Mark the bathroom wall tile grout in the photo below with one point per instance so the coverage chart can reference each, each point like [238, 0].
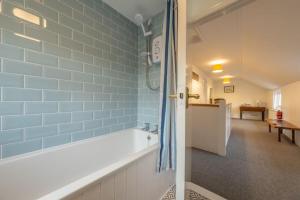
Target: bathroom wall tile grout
[148, 100]
[130, 101]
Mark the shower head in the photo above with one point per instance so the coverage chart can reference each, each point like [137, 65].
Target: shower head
[149, 22]
[139, 20]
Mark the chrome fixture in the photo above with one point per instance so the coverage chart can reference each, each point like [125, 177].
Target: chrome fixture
[146, 28]
[139, 19]
[155, 130]
[147, 127]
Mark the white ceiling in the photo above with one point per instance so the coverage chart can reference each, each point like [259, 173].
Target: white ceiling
[129, 8]
[148, 8]
[198, 9]
[261, 42]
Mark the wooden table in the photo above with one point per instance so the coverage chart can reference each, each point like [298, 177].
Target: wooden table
[253, 109]
[281, 125]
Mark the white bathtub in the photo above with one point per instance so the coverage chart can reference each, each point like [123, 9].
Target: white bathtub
[57, 173]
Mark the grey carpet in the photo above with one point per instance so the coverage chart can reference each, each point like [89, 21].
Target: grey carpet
[256, 167]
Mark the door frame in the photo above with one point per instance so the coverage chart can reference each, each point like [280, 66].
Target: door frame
[180, 116]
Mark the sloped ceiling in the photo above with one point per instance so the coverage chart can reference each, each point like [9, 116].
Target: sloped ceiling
[148, 8]
[128, 8]
[198, 9]
[260, 41]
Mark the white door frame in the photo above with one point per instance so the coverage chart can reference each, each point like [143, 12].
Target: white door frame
[180, 117]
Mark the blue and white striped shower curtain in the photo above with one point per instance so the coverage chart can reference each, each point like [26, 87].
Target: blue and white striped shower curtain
[167, 153]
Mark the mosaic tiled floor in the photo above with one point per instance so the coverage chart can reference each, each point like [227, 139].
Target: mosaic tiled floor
[189, 195]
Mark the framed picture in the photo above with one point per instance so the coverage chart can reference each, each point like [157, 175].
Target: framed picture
[229, 89]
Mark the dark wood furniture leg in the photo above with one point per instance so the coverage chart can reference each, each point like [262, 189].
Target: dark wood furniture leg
[241, 114]
[283, 125]
[293, 136]
[279, 134]
[263, 116]
[270, 129]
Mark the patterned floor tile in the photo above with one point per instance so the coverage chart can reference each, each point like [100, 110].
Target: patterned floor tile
[189, 195]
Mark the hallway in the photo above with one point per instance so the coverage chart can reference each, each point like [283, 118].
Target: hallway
[256, 167]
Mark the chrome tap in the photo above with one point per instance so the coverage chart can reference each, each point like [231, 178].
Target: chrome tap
[155, 130]
[147, 127]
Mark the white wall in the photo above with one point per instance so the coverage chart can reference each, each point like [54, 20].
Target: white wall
[199, 87]
[291, 106]
[204, 134]
[245, 92]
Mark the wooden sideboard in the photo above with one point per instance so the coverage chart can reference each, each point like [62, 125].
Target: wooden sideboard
[253, 109]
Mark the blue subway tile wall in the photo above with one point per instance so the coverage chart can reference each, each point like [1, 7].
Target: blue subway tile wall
[148, 100]
[73, 78]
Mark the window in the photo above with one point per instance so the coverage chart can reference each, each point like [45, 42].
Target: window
[277, 99]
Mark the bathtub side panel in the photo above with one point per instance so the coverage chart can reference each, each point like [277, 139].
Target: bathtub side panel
[137, 181]
[108, 188]
[131, 182]
[120, 185]
[92, 193]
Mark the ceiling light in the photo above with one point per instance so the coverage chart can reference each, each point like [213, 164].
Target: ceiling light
[217, 69]
[226, 76]
[218, 62]
[226, 81]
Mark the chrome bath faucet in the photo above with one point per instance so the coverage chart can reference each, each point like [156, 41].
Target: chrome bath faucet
[147, 127]
[155, 130]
